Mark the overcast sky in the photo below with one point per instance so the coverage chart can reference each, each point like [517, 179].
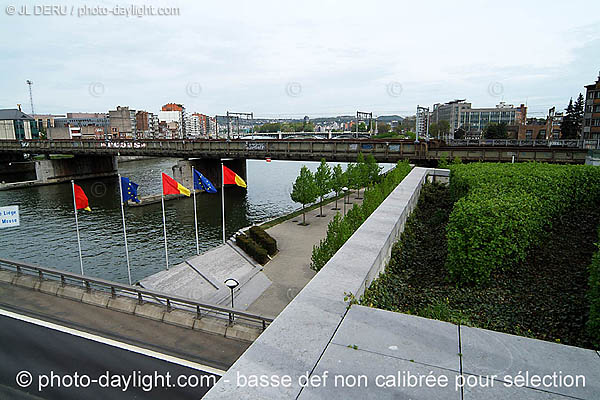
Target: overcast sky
[313, 58]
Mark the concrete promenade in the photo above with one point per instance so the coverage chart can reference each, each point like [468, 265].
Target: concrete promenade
[331, 349]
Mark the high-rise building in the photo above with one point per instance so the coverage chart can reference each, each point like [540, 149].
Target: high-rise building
[122, 123]
[591, 116]
[147, 125]
[172, 112]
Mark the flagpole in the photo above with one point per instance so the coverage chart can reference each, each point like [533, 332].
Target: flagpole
[77, 226]
[223, 199]
[195, 212]
[124, 229]
[162, 200]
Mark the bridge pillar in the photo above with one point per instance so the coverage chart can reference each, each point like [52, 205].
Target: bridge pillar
[14, 168]
[78, 167]
[211, 169]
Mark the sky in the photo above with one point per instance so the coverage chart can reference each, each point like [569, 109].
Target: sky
[283, 59]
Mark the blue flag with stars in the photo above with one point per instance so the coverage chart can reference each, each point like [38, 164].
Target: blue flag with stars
[129, 190]
[201, 183]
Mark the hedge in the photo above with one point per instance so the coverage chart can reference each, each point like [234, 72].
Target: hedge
[593, 323]
[255, 251]
[340, 228]
[502, 210]
[265, 240]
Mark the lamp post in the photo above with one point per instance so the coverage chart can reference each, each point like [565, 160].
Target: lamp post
[345, 190]
[231, 284]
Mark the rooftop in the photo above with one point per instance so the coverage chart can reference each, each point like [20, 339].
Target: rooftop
[13, 114]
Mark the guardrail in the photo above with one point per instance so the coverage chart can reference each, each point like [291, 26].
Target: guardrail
[579, 144]
[142, 295]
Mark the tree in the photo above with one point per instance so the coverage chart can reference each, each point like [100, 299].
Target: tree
[382, 127]
[460, 133]
[362, 173]
[373, 169]
[434, 130]
[353, 174]
[323, 182]
[443, 128]
[304, 190]
[495, 131]
[338, 180]
[578, 108]
[572, 123]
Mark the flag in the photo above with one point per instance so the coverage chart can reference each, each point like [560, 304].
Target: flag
[129, 190]
[201, 183]
[231, 178]
[81, 200]
[171, 186]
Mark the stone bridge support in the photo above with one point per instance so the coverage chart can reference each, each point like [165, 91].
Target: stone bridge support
[78, 167]
[210, 168]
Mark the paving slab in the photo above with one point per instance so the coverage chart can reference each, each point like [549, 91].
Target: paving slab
[243, 332]
[7, 276]
[489, 353]
[380, 377]
[71, 292]
[211, 325]
[27, 281]
[409, 337]
[49, 287]
[492, 390]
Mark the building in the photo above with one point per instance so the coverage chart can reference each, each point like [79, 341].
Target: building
[591, 116]
[146, 125]
[422, 123]
[199, 125]
[46, 121]
[174, 113]
[538, 128]
[16, 125]
[460, 114]
[122, 123]
[78, 122]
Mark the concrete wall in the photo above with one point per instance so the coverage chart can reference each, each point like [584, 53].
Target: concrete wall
[211, 169]
[75, 168]
[294, 342]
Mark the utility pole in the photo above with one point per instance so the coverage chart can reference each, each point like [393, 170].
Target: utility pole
[363, 116]
[29, 82]
[238, 116]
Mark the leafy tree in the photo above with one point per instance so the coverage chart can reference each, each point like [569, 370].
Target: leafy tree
[304, 190]
[443, 128]
[372, 169]
[362, 173]
[323, 182]
[338, 180]
[434, 130]
[460, 133]
[353, 174]
[383, 128]
[495, 131]
[572, 123]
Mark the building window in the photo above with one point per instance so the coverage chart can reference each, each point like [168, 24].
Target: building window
[528, 134]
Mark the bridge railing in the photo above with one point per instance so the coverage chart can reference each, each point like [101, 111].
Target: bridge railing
[574, 143]
[142, 295]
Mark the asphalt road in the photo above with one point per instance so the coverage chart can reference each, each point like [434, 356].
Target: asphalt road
[42, 351]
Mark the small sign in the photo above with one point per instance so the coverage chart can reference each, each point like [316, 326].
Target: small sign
[9, 216]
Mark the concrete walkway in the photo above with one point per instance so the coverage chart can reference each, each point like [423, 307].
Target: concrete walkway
[289, 271]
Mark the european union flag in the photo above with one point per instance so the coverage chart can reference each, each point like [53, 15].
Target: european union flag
[201, 183]
[129, 189]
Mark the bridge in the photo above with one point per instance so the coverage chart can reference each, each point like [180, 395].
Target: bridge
[94, 158]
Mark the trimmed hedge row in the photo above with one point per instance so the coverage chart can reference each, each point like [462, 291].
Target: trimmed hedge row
[593, 323]
[340, 228]
[265, 240]
[502, 210]
[255, 251]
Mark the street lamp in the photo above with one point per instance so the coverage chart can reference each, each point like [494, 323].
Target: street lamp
[231, 284]
[345, 190]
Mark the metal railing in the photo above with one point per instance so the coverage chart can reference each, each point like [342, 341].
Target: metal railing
[142, 295]
[577, 144]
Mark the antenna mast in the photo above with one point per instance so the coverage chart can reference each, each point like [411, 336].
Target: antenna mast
[29, 82]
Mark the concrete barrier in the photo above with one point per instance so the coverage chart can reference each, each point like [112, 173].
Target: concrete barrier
[294, 342]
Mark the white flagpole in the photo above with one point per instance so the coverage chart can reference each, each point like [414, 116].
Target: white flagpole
[162, 200]
[124, 229]
[195, 213]
[77, 227]
[223, 199]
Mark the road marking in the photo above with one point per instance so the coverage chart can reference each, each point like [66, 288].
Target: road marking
[113, 343]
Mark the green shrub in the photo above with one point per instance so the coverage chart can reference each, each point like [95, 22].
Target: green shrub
[265, 240]
[340, 228]
[252, 248]
[593, 322]
[503, 210]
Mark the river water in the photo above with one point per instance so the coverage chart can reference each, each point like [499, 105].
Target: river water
[47, 235]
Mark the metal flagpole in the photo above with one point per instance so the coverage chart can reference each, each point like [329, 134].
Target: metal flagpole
[195, 213]
[124, 229]
[77, 227]
[162, 200]
[223, 199]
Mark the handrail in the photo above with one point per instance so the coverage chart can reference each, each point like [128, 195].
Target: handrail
[139, 291]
